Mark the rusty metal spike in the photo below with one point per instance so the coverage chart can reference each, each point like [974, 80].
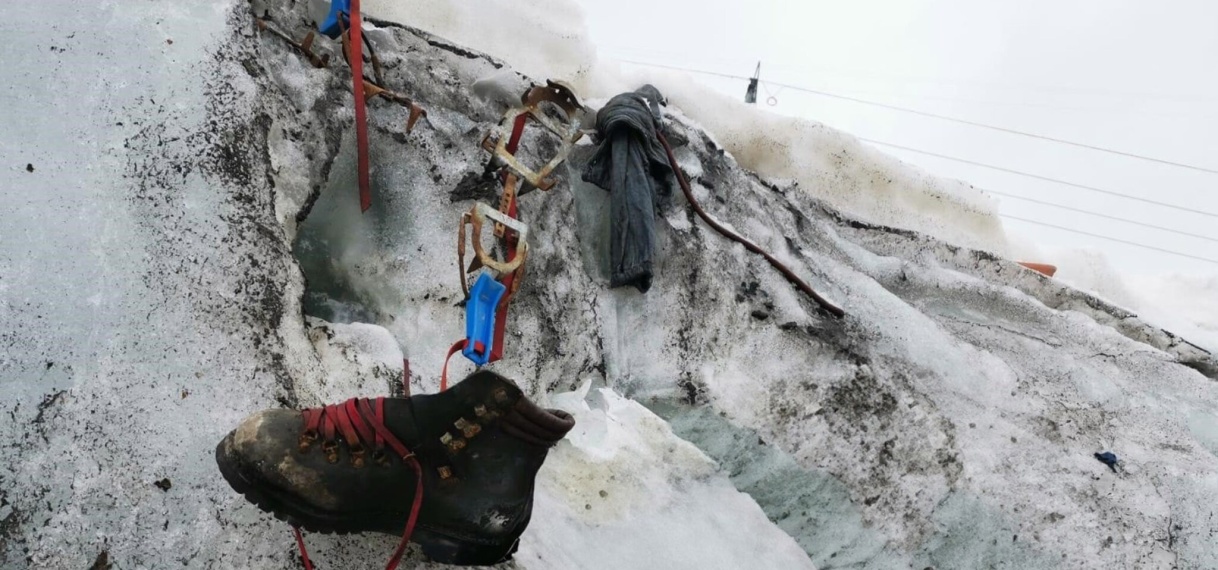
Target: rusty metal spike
[474, 265]
[372, 90]
[416, 112]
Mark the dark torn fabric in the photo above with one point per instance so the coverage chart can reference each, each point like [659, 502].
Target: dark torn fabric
[632, 165]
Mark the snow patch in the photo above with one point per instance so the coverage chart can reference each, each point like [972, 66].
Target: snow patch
[621, 491]
[1184, 304]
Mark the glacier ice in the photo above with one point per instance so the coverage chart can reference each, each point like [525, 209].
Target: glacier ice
[153, 292]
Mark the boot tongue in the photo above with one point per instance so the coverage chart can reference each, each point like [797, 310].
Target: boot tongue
[521, 417]
[535, 425]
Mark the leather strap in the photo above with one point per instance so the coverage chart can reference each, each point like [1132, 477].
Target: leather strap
[356, 57]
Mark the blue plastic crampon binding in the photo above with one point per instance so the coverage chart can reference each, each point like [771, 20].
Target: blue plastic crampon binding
[338, 9]
[480, 318]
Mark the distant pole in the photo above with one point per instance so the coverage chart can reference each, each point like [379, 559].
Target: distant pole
[750, 96]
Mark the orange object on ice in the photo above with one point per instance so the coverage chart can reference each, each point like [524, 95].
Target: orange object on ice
[1041, 268]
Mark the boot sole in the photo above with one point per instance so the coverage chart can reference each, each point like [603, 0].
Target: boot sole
[436, 546]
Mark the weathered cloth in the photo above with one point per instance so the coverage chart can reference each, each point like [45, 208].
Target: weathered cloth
[632, 165]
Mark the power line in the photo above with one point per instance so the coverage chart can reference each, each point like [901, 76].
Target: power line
[938, 116]
[677, 68]
[1110, 238]
[874, 76]
[1099, 215]
[1002, 129]
[1073, 209]
[1175, 113]
[1045, 178]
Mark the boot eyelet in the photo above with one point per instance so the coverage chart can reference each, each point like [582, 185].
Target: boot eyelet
[380, 458]
[480, 410]
[357, 457]
[454, 444]
[469, 429]
[445, 472]
[306, 440]
[330, 448]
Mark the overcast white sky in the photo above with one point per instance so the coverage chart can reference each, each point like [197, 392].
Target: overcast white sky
[1133, 76]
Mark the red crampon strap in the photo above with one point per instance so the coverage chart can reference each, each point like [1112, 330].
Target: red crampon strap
[517, 131]
[510, 239]
[509, 281]
[360, 421]
[304, 554]
[356, 58]
[457, 347]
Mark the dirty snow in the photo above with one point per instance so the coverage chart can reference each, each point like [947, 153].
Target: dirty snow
[153, 292]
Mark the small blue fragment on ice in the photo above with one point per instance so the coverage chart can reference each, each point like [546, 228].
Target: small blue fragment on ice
[1108, 458]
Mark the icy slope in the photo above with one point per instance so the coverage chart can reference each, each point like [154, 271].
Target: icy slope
[150, 299]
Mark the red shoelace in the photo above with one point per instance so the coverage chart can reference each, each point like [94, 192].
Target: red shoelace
[360, 421]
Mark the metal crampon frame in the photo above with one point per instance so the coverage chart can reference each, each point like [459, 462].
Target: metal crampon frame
[502, 143]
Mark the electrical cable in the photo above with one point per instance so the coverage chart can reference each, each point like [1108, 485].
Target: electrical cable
[941, 117]
[1110, 238]
[1045, 178]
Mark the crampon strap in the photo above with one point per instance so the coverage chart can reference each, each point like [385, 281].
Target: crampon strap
[355, 58]
[457, 347]
[361, 113]
[361, 422]
[509, 280]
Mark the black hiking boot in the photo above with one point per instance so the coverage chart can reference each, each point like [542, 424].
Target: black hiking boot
[354, 467]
